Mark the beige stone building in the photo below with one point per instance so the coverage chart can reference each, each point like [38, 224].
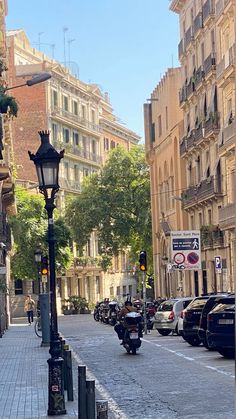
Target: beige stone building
[206, 98]
[163, 131]
[81, 121]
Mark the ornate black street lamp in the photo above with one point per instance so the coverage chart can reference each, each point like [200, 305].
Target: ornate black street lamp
[38, 258]
[47, 161]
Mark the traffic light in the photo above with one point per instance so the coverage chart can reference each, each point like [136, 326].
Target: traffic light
[44, 265]
[143, 261]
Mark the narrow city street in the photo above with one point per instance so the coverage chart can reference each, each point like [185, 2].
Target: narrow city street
[166, 379]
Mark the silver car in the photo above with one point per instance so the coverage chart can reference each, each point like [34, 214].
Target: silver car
[168, 313]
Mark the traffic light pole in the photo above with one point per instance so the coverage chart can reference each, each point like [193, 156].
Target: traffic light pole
[144, 303]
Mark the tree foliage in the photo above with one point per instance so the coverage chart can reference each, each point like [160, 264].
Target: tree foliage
[115, 202]
[29, 228]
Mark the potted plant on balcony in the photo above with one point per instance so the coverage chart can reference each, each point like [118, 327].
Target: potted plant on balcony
[75, 302]
[8, 104]
[84, 308]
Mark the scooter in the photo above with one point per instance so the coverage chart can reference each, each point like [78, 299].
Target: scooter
[132, 326]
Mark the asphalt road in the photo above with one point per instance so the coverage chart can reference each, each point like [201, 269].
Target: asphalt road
[166, 379]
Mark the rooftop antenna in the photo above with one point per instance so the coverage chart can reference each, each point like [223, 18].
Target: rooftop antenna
[39, 39]
[65, 29]
[69, 45]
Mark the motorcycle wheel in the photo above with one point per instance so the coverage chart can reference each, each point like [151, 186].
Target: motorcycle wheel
[134, 351]
[128, 351]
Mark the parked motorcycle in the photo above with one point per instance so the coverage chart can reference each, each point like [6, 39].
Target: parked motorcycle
[113, 312]
[104, 313]
[132, 327]
[96, 313]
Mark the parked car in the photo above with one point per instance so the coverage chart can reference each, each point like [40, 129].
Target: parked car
[220, 327]
[212, 301]
[191, 320]
[167, 315]
[181, 317]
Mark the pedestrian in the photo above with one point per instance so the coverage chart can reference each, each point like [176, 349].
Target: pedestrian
[29, 308]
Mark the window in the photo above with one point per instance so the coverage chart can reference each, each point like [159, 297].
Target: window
[124, 290]
[94, 147]
[89, 247]
[54, 99]
[113, 144]
[209, 212]
[159, 125]
[83, 112]
[66, 135]
[106, 143]
[85, 172]
[75, 138]
[18, 287]
[66, 170]
[200, 219]
[54, 132]
[118, 291]
[93, 116]
[76, 172]
[192, 222]
[75, 107]
[116, 263]
[166, 118]
[111, 291]
[202, 53]
[130, 290]
[65, 103]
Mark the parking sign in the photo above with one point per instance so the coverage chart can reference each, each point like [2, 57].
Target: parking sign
[218, 264]
[186, 250]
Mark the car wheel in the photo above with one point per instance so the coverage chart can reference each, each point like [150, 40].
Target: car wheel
[206, 345]
[227, 352]
[164, 332]
[193, 341]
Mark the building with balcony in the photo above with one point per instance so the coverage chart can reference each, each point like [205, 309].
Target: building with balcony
[205, 70]
[163, 120]
[81, 121]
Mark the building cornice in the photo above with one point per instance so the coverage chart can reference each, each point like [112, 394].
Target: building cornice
[116, 129]
[177, 5]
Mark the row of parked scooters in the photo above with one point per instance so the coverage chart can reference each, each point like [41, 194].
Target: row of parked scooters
[207, 319]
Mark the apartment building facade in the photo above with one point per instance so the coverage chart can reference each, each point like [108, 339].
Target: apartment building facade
[205, 101]
[163, 120]
[72, 111]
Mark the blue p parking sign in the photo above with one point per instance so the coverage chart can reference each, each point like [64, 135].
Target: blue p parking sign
[218, 263]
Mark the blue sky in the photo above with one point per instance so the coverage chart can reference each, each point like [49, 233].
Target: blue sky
[124, 46]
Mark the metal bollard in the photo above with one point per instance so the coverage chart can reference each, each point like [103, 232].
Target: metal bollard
[82, 411]
[102, 409]
[63, 344]
[90, 399]
[68, 375]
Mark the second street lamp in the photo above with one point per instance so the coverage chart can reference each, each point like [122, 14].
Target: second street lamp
[47, 161]
[38, 258]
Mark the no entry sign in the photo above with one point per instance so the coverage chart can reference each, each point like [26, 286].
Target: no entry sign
[186, 249]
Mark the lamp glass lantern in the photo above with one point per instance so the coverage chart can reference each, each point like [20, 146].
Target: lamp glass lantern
[38, 255]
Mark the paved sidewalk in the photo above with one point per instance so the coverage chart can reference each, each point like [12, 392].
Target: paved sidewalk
[24, 376]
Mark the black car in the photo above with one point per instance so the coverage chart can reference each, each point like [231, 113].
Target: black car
[191, 320]
[220, 327]
[210, 304]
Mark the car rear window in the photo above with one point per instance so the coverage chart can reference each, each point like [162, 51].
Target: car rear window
[186, 303]
[198, 303]
[223, 307]
[166, 306]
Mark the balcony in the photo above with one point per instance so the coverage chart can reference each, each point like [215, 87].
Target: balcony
[208, 11]
[211, 237]
[197, 24]
[228, 136]
[209, 64]
[227, 217]
[188, 37]
[181, 48]
[78, 151]
[207, 189]
[190, 88]
[182, 95]
[75, 119]
[224, 69]
[70, 185]
[198, 77]
[212, 125]
[220, 7]
[187, 143]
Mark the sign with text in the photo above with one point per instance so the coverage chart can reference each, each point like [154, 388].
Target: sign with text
[218, 264]
[186, 250]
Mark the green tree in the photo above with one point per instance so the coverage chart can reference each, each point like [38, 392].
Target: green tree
[29, 228]
[115, 202]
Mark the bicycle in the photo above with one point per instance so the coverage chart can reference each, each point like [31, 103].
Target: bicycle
[37, 327]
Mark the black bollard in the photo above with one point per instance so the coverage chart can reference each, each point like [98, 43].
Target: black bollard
[69, 376]
[90, 399]
[82, 414]
[102, 409]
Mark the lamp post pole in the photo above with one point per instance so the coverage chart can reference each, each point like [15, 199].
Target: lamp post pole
[47, 161]
[38, 259]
